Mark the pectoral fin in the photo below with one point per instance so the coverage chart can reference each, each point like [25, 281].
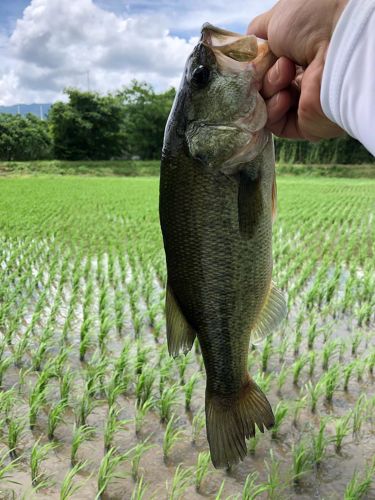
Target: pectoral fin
[250, 203]
[180, 335]
[273, 312]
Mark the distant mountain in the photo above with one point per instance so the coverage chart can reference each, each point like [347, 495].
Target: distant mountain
[23, 109]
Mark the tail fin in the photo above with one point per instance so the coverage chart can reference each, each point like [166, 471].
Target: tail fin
[230, 420]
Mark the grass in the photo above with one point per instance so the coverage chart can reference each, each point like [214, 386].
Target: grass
[151, 167]
[86, 379]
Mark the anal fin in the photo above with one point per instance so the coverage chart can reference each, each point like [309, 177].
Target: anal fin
[273, 312]
[180, 335]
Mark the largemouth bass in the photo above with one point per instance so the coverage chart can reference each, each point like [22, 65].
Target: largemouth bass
[217, 198]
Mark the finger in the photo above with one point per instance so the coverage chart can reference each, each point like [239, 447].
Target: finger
[278, 77]
[287, 126]
[278, 106]
[259, 25]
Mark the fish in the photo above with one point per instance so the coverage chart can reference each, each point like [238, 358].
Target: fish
[217, 200]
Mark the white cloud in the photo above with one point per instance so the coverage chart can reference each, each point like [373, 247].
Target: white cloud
[58, 44]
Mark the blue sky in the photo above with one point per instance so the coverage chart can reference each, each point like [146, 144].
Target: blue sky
[47, 45]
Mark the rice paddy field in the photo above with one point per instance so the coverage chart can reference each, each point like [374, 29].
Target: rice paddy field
[92, 406]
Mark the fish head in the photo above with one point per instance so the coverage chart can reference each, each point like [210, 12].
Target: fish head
[225, 114]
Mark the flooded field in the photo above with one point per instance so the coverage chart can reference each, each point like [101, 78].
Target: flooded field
[91, 405]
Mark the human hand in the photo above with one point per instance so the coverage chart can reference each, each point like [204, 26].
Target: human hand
[298, 32]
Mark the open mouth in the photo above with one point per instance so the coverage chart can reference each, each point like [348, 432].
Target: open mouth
[236, 53]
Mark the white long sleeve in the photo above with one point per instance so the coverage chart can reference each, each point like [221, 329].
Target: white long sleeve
[348, 85]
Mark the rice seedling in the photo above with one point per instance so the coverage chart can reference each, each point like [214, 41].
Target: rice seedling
[299, 405]
[297, 368]
[356, 340]
[5, 363]
[297, 340]
[220, 490]
[302, 463]
[252, 443]
[140, 490]
[55, 416]
[312, 362]
[201, 470]
[263, 380]
[107, 470]
[315, 391]
[168, 400]
[16, 427]
[359, 368]
[331, 382]
[181, 480]
[84, 407]
[142, 356]
[281, 379]
[358, 414]
[144, 385]
[280, 413]
[358, 487]
[81, 434]
[37, 399]
[319, 443]
[7, 468]
[198, 424]
[182, 364]
[39, 453]
[141, 412]
[370, 361]
[189, 388]
[68, 488]
[348, 369]
[282, 349]
[171, 435]
[136, 455]
[113, 424]
[273, 483]
[266, 353]
[328, 350]
[342, 429]
[7, 401]
[251, 490]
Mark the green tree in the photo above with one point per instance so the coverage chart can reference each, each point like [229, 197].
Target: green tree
[24, 138]
[88, 126]
[146, 114]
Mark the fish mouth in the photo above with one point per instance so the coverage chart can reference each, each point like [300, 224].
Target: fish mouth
[236, 53]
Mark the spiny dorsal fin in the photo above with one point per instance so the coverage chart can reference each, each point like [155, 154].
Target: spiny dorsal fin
[180, 335]
[272, 314]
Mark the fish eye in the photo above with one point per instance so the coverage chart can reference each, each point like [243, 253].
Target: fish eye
[200, 76]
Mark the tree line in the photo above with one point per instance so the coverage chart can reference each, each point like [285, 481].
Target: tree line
[130, 123]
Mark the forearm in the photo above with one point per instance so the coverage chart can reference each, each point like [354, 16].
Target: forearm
[348, 84]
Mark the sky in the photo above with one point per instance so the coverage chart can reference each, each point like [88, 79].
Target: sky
[101, 45]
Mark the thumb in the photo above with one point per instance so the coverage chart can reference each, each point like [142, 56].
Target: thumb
[259, 25]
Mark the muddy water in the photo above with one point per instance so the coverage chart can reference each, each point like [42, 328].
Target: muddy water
[327, 481]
